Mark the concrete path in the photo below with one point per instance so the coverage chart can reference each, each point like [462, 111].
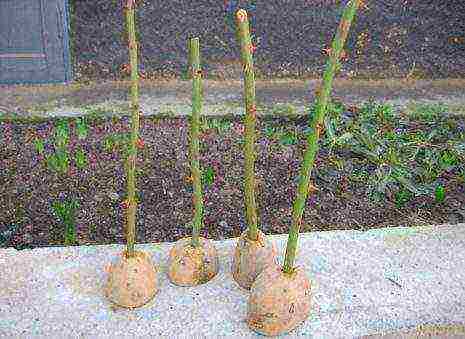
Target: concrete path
[223, 97]
[363, 283]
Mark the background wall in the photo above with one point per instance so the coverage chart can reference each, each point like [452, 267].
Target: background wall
[389, 38]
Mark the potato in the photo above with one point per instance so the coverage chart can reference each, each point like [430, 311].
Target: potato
[190, 266]
[132, 281]
[251, 257]
[278, 301]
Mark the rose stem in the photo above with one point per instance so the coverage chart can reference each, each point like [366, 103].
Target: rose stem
[316, 125]
[131, 166]
[194, 57]
[245, 42]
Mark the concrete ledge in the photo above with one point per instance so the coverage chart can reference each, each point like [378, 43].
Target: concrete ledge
[364, 283]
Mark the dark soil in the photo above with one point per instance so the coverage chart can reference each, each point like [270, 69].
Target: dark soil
[28, 187]
[387, 38]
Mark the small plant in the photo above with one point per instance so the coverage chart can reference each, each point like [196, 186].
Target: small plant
[58, 161]
[80, 158]
[117, 141]
[288, 138]
[402, 197]
[427, 113]
[61, 133]
[65, 212]
[81, 128]
[39, 145]
[208, 176]
[439, 193]
[270, 131]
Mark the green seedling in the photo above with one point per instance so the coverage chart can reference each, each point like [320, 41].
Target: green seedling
[116, 141]
[270, 131]
[81, 128]
[208, 176]
[80, 158]
[402, 197]
[65, 211]
[59, 161]
[427, 112]
[288, 138]
[39, 145]
[439, 193]
[61, 133]
[109, 143]
[448, 160]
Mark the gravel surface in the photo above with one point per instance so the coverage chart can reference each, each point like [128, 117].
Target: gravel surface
[391, 38]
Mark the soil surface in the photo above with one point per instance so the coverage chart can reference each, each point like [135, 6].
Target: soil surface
[29, 187]
[387, 38]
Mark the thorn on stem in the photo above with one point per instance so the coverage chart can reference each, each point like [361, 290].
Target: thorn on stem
[241, 15]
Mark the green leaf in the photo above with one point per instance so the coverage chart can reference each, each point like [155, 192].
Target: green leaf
[80, 158]
[81, 128]
[440, 193]
[402, 197]
[208, 176]
[39, 145]
[288, 138]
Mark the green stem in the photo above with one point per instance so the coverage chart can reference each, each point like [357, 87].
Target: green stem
[250, 107]
[194, 56]
[313, 136]
[131, 167]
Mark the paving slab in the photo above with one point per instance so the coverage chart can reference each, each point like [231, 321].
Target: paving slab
[364, 283]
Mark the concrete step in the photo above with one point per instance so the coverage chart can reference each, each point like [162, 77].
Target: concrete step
[224, 97]
[363, 283]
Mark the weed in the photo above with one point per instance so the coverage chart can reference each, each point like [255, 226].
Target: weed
[288, 138]
[39, 145]
[219, 125]
[427, 112]
[59, 161]
[402, 197]
[65, 212]
[270, 131]
[80, 158]
[439, 193]
[208, 176]
[117, 141]
[81, 128]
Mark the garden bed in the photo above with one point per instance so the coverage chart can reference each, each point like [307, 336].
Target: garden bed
[418, 158]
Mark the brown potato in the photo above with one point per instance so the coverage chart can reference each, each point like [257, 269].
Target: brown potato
[132, 282]
[251, 258]
[278, 301]
[190, 266]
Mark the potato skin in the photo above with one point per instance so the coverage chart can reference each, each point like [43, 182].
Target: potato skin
[132, 282]
[278, 301]
[250, 258]
[189, 266]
